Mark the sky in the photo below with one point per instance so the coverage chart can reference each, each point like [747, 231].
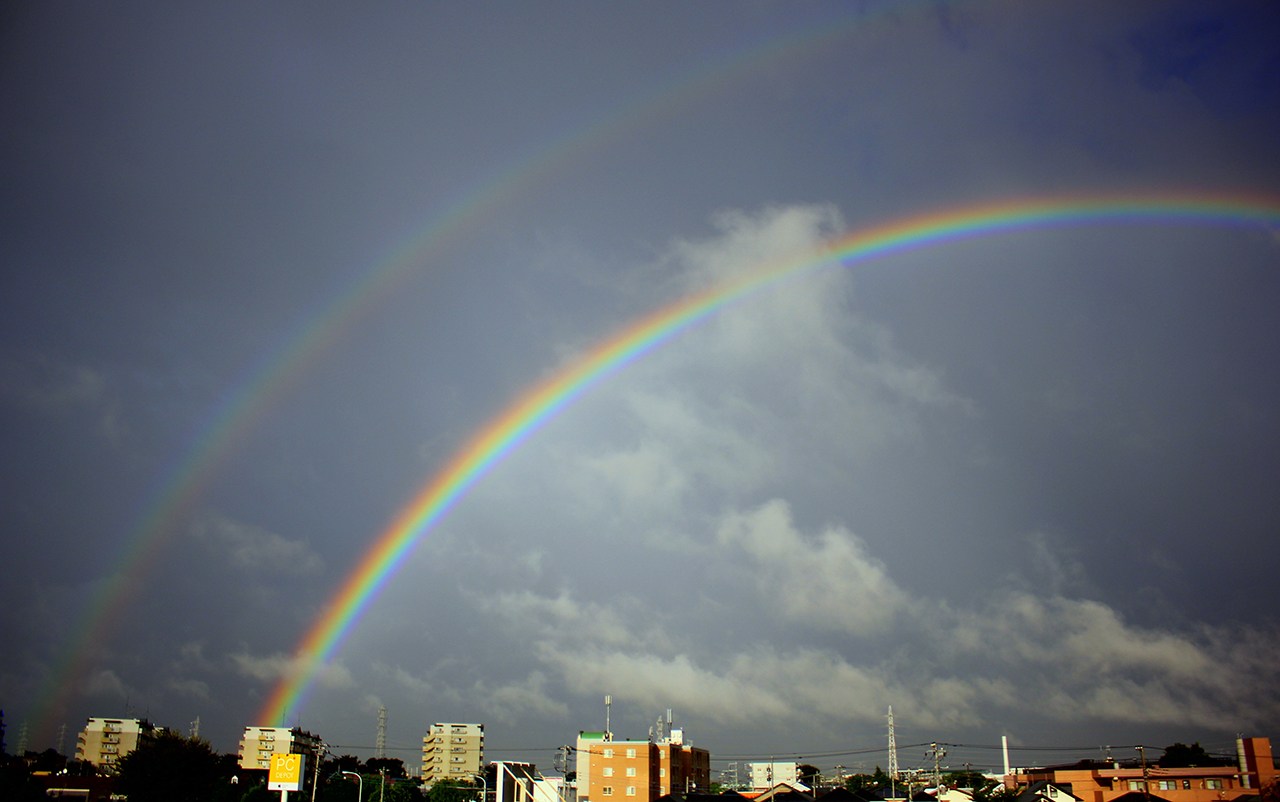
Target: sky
[270, 268]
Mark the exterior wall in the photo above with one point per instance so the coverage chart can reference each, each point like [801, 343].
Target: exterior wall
[452, 752]
[103, 741]
[258, 744]
[617, 771]
[514, 781]
[767, 775]
[683, 769]
[1103, 782]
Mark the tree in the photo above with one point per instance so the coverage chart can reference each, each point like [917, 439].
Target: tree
[393, 765]
[453, 791]
[170, 768]
[1181, 756]
[862, 785]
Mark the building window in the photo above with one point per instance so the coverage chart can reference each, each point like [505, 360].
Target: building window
[607, 790]
[1186, 785]
[1135, 785]
[631, 753]
[631, 771]
[662, 772]
[608, 771]
[608, 753]
[631, 790]
[1213, 785]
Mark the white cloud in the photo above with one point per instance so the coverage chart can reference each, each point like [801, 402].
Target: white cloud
[275, 667]
[193, 688]
[828, 581]
[253, 548]
[106, 682]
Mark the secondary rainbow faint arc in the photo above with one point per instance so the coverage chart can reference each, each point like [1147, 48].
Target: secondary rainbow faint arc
[500, 436]
[263, 384]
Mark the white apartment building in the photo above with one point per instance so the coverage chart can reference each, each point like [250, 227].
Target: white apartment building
[452, 752]
[258, 744]
[767, 775]
[103, 741]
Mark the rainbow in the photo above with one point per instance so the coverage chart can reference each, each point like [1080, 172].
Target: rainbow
[182, 484]
[500, 436]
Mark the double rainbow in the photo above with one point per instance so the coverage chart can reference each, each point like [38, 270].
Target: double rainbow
[488, 446]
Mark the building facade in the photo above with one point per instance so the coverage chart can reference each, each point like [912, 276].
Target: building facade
[682, 769]
[103, 741]
[767, 775]
[258, 744]
[1105, 782]
[610, 770]
[452, 752]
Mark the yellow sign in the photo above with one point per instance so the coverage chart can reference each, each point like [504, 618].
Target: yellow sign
[286, 772]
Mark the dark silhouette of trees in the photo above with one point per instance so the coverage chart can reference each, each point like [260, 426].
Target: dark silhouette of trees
[393, 765]
[1181, 756]
[171, 768]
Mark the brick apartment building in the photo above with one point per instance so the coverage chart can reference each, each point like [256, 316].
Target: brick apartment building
[1095, 781]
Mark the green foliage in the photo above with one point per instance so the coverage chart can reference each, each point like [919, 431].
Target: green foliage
[171, 768]
[452, 791]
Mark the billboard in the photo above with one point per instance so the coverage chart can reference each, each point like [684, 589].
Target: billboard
[286, 772]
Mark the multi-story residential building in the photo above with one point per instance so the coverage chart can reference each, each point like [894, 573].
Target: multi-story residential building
[682, 769]
[609, 768]
[639, 771]
[103, 741]
[1092, 781]
[258, 744]
[452, 752]
[768, 775]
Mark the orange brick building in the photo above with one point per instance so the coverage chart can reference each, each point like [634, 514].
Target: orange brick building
[1105, 782]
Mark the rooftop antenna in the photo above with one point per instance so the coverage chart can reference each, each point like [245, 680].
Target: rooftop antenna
[608, 703]
[62, 736]
[380, 747]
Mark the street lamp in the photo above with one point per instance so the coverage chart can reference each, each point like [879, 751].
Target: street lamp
[360, 787]
[484, 787]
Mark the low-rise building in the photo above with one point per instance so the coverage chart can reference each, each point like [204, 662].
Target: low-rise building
[1094, 781]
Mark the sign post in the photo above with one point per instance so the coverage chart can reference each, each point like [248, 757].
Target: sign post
[286, 774]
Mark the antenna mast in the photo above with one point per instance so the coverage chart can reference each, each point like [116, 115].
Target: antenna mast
[380, 746]
[608, 704]
[893, 757]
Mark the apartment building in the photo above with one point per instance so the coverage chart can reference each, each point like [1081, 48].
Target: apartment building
[1092, 781]
[452, 752]
[639, 771]
[767, 775]
[258, 744]
[682, 768]
[103, 741]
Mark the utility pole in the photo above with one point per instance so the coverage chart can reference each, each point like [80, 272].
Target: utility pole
[1146, 787]
[938, 753]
